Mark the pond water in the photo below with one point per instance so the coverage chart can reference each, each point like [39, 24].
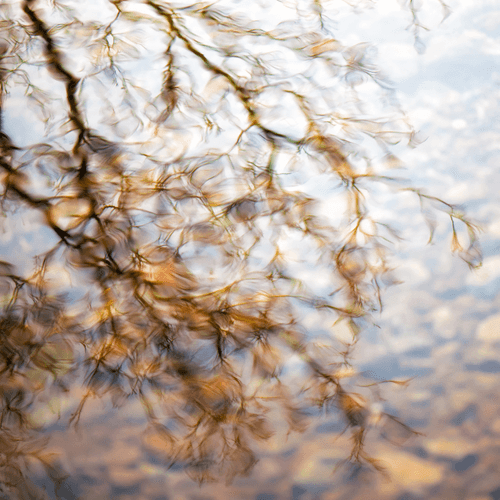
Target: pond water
[440, 327]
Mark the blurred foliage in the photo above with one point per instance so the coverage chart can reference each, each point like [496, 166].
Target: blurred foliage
[178, 257]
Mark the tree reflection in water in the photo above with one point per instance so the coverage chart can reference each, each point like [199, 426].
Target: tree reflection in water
[180, 258]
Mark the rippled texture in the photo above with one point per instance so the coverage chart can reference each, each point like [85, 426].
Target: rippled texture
[170, 253]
